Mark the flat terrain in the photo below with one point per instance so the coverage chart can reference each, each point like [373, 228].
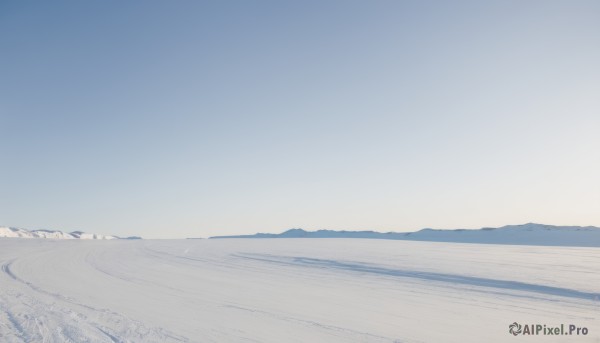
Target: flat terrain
[292, 290]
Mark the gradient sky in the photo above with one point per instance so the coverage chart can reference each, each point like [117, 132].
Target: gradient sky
[172, 119]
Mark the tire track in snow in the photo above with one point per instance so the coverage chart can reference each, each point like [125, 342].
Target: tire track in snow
[28, 328]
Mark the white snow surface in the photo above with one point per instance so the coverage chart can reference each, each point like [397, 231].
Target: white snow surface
[11, 232]
[292, 290]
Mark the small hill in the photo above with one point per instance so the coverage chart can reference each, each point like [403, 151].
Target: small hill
[11, 232]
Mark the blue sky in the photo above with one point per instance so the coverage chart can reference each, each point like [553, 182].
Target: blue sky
[188, 118]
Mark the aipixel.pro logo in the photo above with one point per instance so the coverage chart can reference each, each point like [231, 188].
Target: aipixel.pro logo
[516, 329]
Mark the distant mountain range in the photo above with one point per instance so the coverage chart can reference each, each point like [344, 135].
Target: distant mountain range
[11, 232]
[526, 234]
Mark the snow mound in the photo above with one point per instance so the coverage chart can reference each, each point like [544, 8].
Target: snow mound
[11, 232]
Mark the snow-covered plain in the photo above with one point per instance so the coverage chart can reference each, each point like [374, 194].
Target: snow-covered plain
[292, 290]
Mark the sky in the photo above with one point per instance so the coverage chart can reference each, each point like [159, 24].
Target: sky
[197, 118]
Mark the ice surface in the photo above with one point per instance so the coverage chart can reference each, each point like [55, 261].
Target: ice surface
[292, 290]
